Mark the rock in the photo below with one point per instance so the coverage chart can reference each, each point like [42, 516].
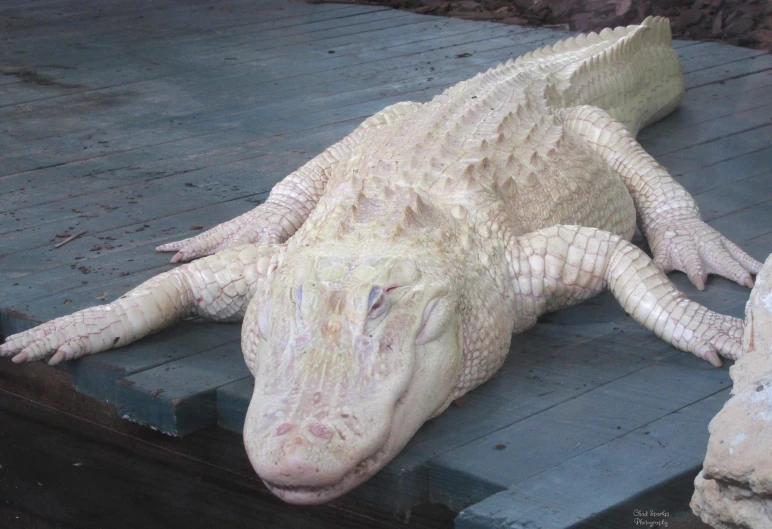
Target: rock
[623, 6]
[515, 20]
[734, 489]
[690, 17]
[764, 37]
[467, 6]
[716, 28]
[741, 25]
[580, 22]
[729, 506]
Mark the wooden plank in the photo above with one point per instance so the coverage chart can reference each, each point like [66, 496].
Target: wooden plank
[711, 54]
[603, 477]
[141, 167]
[225, 95]
[735, 123]
[180, 397]
[98, 375]
[70, 289]
[726, 172]
[26, 161]
[423, 29]
[232, 402]
[706, 76]
[88, 70]
[217, 30]
[710, 102]
[598, 416]
[268, 63]
[122, 28]
[715, 151]
[725, 200]
[97, 214]
[28, 181]
[747, 223]
[127, 478]
[722, 127]
[195, 123]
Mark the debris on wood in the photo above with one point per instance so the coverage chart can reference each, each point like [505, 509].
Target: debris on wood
[68, 239]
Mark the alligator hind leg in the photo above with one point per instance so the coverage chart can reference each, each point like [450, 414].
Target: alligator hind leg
[667, 213]
[290, 203]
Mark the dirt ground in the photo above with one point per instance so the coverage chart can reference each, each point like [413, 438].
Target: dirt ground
[739, 22]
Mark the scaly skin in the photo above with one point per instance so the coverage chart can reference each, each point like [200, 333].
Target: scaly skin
[385, 277]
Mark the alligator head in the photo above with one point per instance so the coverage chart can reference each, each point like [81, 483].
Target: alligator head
[351, 353]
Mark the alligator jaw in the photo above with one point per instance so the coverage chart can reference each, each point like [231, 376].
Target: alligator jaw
[302, 495]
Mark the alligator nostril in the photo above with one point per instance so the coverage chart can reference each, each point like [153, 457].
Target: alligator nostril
[284, 428]
[320, 431]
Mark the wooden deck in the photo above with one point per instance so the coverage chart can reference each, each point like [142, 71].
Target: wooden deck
[142, 122]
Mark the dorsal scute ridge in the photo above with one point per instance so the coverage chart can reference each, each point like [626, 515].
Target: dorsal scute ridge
[633, 39]
[659, 32]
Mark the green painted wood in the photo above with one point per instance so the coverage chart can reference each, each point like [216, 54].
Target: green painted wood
[272, 74]
[340, 89]
[715, 151]
[737, 122]
[98, 376]
[725, 200]
[141, 33]
[747, 223]
[180, 397]
[235, 92]
[591, 419]
[601, 478]
[726, 172]
[715, 74]
[270, 64]
[724, 126]
[710, 54]
[715, 101]
[232, 402]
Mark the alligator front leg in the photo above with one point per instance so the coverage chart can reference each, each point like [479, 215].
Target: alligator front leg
[667, 213]
[563, 265]
[218, 287]
[291, 201]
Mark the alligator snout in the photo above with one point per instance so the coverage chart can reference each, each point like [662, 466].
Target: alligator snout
[295, 462]
[311, 457]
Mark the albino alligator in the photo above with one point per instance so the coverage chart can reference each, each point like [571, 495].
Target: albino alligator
[384, 278]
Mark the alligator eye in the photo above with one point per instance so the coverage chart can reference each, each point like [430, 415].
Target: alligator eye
[375, 301]
[299, 295]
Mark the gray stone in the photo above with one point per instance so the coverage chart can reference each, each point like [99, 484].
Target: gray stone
[734, 489]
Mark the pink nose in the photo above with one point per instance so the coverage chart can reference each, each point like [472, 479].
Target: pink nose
[309, 452]
[300, 459]
[297, 462]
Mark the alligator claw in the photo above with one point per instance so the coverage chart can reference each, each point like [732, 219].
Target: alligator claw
[693, 247]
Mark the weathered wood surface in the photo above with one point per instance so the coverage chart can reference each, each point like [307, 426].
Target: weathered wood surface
[143, 122]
